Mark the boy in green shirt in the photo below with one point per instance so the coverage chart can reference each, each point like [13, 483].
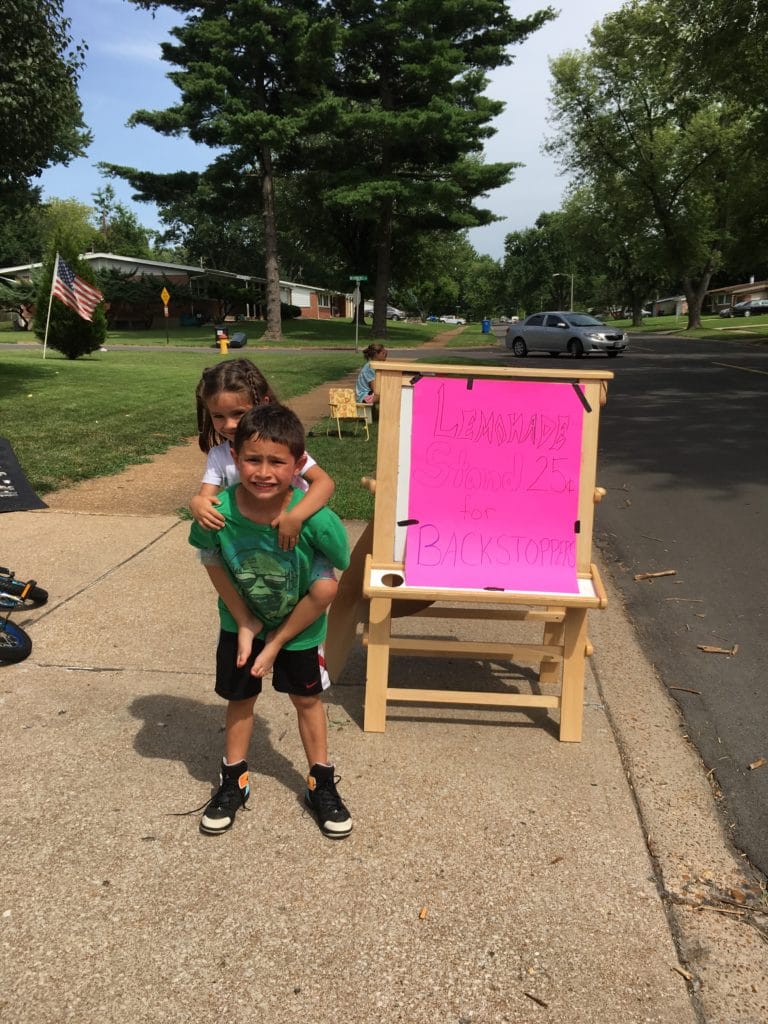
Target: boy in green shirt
[269, 620]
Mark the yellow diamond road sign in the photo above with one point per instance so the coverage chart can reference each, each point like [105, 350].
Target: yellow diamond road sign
[165, 295]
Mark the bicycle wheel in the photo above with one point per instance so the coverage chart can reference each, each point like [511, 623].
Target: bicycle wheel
[15, 645]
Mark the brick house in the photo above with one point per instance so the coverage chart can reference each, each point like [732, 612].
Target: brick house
[195, 293]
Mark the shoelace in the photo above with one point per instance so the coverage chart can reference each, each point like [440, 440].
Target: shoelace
[328, 800]
[205, 803]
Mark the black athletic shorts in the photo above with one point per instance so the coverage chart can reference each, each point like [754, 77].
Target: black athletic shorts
[301, 673]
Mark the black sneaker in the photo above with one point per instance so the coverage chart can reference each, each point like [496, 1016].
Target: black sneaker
[326, 804]
[231, 795]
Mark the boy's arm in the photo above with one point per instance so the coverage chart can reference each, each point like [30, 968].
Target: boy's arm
[289, 523]
[203, 507]
[248, 625]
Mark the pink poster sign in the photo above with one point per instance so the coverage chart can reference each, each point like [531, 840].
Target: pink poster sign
[494, 485]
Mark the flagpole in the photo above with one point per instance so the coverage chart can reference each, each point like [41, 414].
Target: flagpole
[50, 303]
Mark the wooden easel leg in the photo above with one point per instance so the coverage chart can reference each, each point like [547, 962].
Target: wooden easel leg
[549, 671]
[377, 675]
[572, 699]
[347, 608]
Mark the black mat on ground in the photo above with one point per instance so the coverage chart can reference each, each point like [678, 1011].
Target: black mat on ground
[16, 495]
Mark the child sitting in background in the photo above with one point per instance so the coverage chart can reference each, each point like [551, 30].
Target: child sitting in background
[365, 379]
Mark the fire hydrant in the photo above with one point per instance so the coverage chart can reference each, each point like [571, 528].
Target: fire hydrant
[223, 343]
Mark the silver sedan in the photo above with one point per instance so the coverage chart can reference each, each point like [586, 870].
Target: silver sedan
[557, 332]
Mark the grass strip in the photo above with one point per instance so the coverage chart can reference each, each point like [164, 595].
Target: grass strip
[71, 420]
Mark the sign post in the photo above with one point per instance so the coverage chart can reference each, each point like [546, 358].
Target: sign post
[357, 278]
[165, 296]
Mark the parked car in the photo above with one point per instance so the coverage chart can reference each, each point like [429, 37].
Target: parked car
[734, 310]
[752, 307]
[453, 320]
[393, 313]
[557, 332]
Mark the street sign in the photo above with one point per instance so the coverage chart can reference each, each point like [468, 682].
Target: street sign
[356, 295]
[358, 277]
[165, 295]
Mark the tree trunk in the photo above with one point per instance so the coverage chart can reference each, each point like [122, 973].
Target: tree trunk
[383, 270]
[695, 289]
[274, 330]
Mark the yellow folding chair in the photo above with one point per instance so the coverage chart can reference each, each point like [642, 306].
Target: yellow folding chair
[345, 407]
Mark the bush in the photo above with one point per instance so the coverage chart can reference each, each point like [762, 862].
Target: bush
[73, 336]
[289, 312]
[68, 332]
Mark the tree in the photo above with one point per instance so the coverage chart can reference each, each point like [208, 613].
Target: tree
[19, 225]
[40, 114]
[404, 150]
[726, 44]
[66, 218]
[250, 75]
[30, 225]
[635, 124]
[118, 229]
[67, 331]
[532, 258]
[440, 272]
[616, 248]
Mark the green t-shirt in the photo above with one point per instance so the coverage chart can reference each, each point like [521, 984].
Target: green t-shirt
[271, 581]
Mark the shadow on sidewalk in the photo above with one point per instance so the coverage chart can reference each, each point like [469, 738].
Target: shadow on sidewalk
[348, 692]
[179, 729]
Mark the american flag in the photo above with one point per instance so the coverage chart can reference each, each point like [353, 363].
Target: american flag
[74, 291]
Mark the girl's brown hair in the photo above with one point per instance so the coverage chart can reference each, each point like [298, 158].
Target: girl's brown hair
[373, 350]
[236, 375]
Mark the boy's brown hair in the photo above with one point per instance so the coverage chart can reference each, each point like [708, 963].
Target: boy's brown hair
[275, 423]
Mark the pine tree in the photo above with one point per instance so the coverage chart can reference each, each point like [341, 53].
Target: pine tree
[412, 109]
[250, 73]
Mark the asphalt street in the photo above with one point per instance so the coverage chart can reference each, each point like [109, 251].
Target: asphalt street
[682, 455]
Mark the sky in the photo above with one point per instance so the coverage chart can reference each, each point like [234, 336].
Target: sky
[124, 73]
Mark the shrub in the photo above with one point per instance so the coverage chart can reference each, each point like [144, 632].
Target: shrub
[68, 333]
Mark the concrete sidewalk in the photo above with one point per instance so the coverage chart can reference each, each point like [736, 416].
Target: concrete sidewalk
[493, 874]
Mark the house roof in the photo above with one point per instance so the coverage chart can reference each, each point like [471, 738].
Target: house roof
[160, 267]
[736, 289]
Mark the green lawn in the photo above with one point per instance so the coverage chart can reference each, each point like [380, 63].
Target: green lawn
[330, 334]
[71, 420]
[712, 327]
[347, 460]
[472, 337]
